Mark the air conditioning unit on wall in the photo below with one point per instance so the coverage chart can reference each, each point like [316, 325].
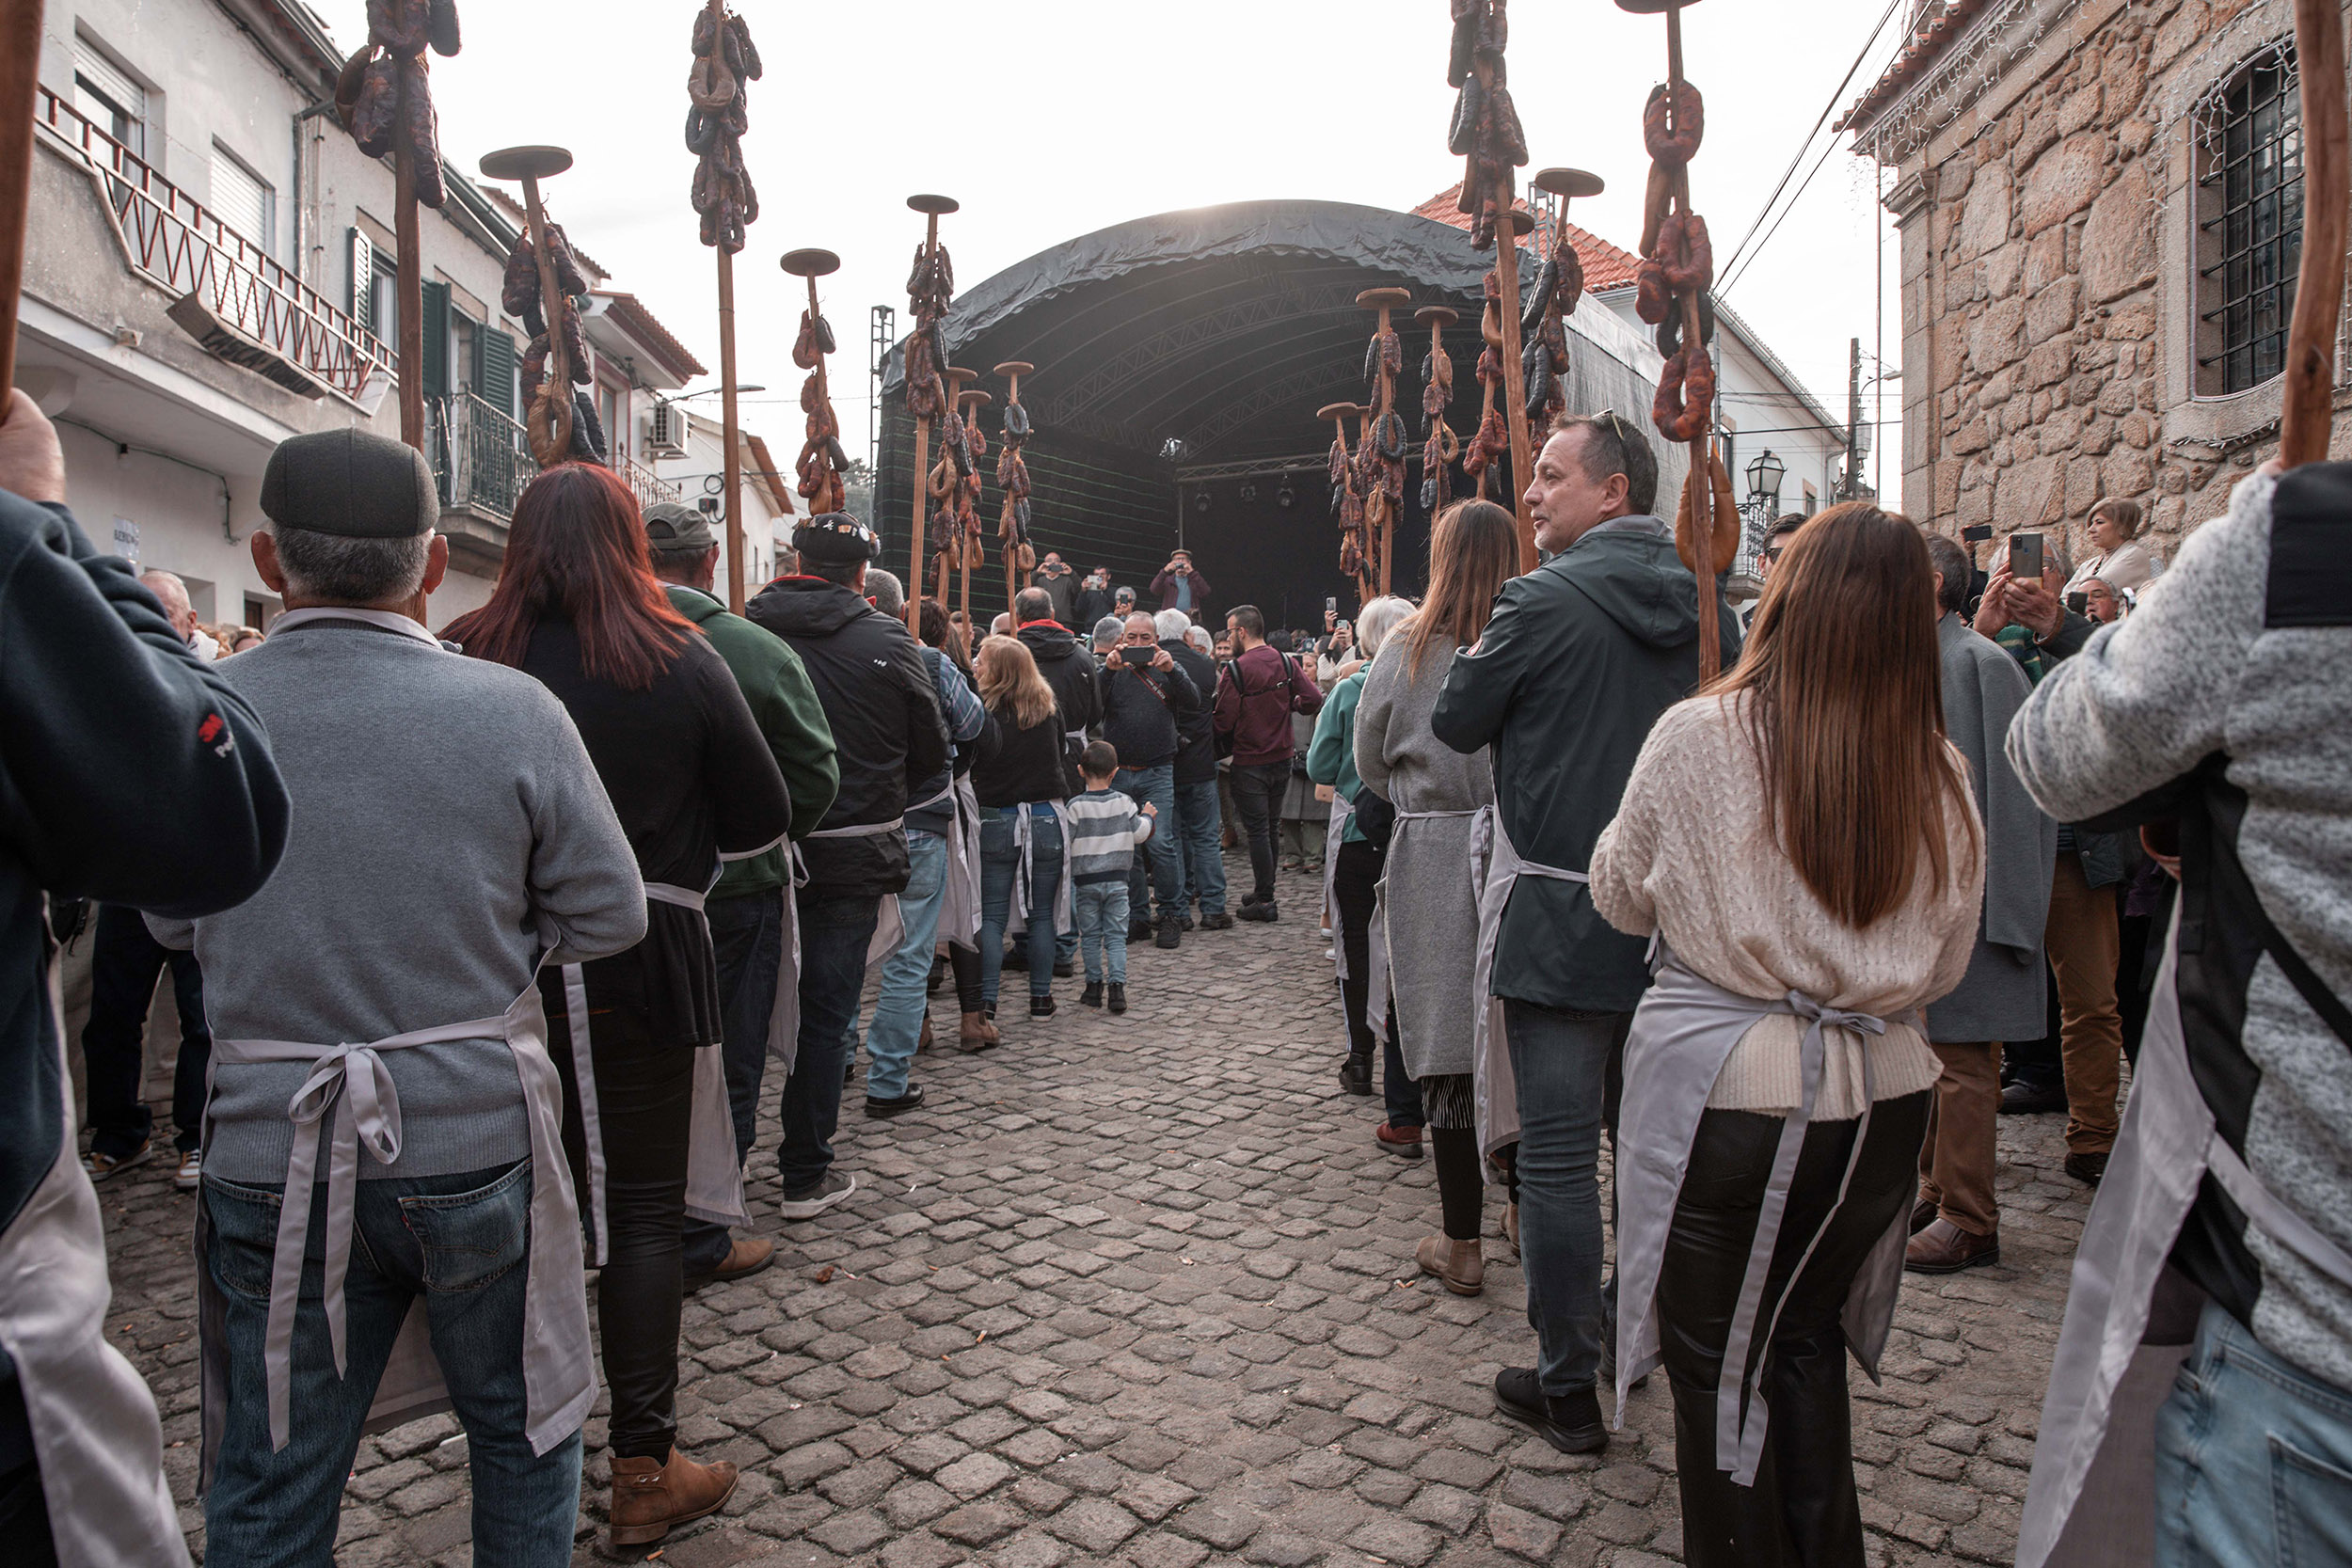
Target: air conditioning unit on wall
[667, 438]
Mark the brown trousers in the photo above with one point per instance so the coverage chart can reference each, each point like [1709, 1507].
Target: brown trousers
[1956, 1158]
[2083, 946]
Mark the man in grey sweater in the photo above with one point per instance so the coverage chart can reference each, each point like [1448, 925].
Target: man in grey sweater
[450, 834]
[2224, 704]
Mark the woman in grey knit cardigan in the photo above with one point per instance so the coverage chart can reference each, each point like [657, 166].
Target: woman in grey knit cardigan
[1427, 917]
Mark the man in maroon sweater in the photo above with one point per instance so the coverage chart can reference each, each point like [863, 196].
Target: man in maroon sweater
[1256, 694]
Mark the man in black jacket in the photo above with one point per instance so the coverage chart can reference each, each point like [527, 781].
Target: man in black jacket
[1068, 668]
[1199, 820]
[129, 772]
[1146, 697]
[888, 738]
[1582, 656]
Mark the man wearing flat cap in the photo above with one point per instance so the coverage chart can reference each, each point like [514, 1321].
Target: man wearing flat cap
[746, 910]
[380, 1074]
[889, 738]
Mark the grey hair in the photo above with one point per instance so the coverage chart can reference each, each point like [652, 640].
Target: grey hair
[334, 569]
[1198, 636]
[1376, 620]
[1171, 623]
[1107, 631]
[2059, 558]
[888, 594]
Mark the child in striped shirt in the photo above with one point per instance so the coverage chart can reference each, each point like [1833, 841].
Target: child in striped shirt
[1105, 830]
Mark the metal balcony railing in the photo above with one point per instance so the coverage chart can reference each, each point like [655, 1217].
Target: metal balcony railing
[650, 489]
[172, 240]
[480, 457]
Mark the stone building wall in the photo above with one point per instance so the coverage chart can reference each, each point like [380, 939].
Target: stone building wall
[2048, 299]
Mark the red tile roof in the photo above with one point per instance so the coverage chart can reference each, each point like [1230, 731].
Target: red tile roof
[630, 314]
[1928, 43]
[1606, 266]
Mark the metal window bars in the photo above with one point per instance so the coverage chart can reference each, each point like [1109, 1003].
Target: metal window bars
[2255, 145]
[285, 328]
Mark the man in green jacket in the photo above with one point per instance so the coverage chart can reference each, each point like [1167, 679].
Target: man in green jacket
[1582, 656]
[746, 908]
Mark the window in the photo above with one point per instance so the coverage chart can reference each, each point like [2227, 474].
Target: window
[2250, 228]
[109, 98]
[241, 200]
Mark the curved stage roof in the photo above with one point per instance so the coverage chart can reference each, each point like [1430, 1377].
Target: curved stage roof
[1223, 328]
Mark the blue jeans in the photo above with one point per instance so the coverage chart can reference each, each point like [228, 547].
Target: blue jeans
[905, 997]
[1103, 929]
[834, 933]
[1158, 787]
[747, 937]
[1568, 1067]
[1000, 862]
[1200, 829]
[462, 1242]
[2253, 1458]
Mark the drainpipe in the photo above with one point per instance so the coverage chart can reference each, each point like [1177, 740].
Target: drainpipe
[308, 251]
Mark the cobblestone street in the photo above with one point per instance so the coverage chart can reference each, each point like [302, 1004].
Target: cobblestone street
[1141, 1291]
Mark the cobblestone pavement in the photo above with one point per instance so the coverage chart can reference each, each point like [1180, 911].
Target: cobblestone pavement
[1140, 1290]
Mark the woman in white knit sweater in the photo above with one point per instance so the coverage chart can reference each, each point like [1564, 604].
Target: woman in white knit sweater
[1802, 840]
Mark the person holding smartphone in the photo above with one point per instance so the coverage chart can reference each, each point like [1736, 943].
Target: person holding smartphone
[1180, 586]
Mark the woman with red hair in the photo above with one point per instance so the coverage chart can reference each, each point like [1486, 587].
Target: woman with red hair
[694, 781]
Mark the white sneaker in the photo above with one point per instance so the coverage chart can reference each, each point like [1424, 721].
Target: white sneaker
[190, 1175]
[101, 1166]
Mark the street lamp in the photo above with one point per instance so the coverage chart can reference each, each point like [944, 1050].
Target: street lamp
[1764, 476]
[1763, 501]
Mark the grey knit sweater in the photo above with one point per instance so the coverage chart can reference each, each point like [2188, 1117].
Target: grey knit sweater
[447, 825]
[2193, 671]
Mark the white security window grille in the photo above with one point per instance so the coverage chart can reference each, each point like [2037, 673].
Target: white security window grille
[241, 200]
[2249, 238]
[109, 98]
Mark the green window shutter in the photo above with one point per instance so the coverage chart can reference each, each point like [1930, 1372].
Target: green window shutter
[494, 376]
[435, 302]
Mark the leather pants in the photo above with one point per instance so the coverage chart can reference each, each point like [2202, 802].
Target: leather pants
[1803, 1508]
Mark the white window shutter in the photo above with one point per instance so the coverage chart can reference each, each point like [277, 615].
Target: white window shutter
[363, 281]
[240, 200]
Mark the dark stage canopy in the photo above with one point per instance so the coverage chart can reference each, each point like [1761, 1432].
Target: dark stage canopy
[1222, 329]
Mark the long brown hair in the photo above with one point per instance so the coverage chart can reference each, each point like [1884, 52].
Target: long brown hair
[575, 552]
[1009, 683]
[1473, 551]
[1845, 706]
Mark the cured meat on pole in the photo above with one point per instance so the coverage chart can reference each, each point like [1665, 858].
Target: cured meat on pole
[542, 285]
[718, 87]
[931, 285]
[1012, 478]
[822, 461]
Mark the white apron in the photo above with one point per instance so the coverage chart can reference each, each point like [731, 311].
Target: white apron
[1377, 941]
[1024, 840]
[1342, 811]
[959, 900]
[95, 1432]
[2167, 1147]
[1682, 1033]
[784, 1015]
[351, 1082]
[714, 1177]
[1496, 868]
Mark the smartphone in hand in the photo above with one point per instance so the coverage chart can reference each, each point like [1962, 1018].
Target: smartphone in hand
[2024, 556]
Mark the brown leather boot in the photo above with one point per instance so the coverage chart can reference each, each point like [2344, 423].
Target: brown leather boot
[1458, 1265]
[1944, 1247]
[923, 1042]
[977, 1033]
[649, 1497]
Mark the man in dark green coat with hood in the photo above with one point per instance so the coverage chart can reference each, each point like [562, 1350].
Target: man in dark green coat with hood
[746, 908]
[1582, 656]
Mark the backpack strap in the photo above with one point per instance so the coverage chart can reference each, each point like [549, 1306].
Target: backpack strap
[2310, 547]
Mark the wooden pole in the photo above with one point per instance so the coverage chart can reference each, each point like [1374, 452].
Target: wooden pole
[1698, 489]
[551, 305]
[409, 282]
[922, 473]
[732, 465]
[2306, 408]
[20, 81]
[1513, 374]
[1012, 551]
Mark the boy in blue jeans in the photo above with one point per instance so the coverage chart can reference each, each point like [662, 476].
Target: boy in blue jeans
[1105, 830]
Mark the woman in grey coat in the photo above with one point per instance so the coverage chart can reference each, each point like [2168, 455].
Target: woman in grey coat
[1956, 1224]
[1426, 921]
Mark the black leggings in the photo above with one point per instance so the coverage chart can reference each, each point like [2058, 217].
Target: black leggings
[645, 1103]
[1801, 1509]
[1355, 880]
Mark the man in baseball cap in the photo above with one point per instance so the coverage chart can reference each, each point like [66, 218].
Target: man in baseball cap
[749, 917]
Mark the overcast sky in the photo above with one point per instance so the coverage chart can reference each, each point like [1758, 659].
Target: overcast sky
[1049, 119]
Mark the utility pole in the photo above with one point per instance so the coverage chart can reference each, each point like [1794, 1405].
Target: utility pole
[1853, 488]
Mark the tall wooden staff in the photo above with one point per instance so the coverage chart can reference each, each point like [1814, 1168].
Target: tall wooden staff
[929, 286]
[19, 80]
[821, 461]
[970, 553]
[2306, 409]
[548, 419]
[1348, 500]
[945, 482]
[1440, 446]
[1677, 267]
[384, 98]
[718, 87]
[1385, 359]
[1012, 477]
